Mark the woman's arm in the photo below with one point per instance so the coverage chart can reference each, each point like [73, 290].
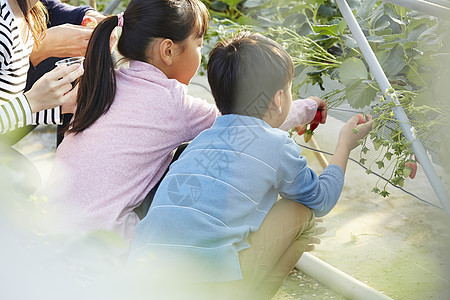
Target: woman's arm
[14, 114]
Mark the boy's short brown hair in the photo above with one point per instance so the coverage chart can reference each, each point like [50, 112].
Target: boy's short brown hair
[246, 71]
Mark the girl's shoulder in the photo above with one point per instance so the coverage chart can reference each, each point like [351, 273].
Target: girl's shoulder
[148, 78]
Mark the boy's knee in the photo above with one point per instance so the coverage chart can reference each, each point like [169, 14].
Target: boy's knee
[306, 220]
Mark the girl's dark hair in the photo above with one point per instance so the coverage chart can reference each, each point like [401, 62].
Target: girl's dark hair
[246, 71]
[35, 17]
[144, 21]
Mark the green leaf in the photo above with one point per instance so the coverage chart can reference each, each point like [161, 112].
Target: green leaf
[393, 37]
[341, 26]
[245, 20]
[349, 41]
[415, 77]
[351, 70]
[294, 19]
[326, 29]
[326, 11]
[365, 8]
[360, 95]
[265, 22]
[388, 155]
[254, 3]
[375, 39]
[417, 32]
[393, 15]
[392, 62]
[219, 6]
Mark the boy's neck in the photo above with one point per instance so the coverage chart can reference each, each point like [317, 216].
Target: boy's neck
[272, 122]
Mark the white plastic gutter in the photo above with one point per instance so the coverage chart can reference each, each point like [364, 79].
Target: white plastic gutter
[337, 280]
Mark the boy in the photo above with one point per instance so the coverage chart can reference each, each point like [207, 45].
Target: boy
[215, 217]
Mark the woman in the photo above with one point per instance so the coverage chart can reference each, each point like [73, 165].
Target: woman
[17, 37]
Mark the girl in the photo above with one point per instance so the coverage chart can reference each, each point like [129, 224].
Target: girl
[128, 122]
[23, 24]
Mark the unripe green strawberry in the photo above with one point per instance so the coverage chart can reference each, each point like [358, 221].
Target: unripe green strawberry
[308, 135]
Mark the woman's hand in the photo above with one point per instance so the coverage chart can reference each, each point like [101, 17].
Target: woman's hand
[62, 41]
[55, 89]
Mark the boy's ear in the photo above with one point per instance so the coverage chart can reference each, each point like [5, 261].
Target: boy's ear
[167, 51]
[276, 101]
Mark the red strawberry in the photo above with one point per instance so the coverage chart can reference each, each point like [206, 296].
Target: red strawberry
[313, 126]
[301, 129]
[308, 135]
[89, 22]
[362, 119]
[317, 117]
[413, 166]
[316, 121]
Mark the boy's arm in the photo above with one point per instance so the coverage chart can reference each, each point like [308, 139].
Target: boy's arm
[297, 182]
[303, 112]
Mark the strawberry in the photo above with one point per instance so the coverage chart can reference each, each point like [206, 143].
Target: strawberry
[313, 126]
[89, 22]
[317, 117]
[316, 121]
[361, 118]
[308, 135]
[413, 166]
[301, 129]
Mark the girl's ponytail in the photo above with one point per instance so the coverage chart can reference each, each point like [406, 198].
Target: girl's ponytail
[97, 86]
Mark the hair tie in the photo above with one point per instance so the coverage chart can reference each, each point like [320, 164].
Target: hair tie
[120, 19]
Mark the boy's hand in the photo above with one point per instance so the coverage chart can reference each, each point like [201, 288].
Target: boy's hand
[318, 230]
[322, 107]
[354, 130]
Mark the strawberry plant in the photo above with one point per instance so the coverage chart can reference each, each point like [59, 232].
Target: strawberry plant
[412, 48]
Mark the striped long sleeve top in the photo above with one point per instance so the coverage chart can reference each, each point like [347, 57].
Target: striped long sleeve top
[15, 110]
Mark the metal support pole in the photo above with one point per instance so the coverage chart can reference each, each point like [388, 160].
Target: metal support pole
[399, 113]
[111, 7]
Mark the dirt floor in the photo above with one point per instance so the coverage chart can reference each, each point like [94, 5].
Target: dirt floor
[396, 245]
